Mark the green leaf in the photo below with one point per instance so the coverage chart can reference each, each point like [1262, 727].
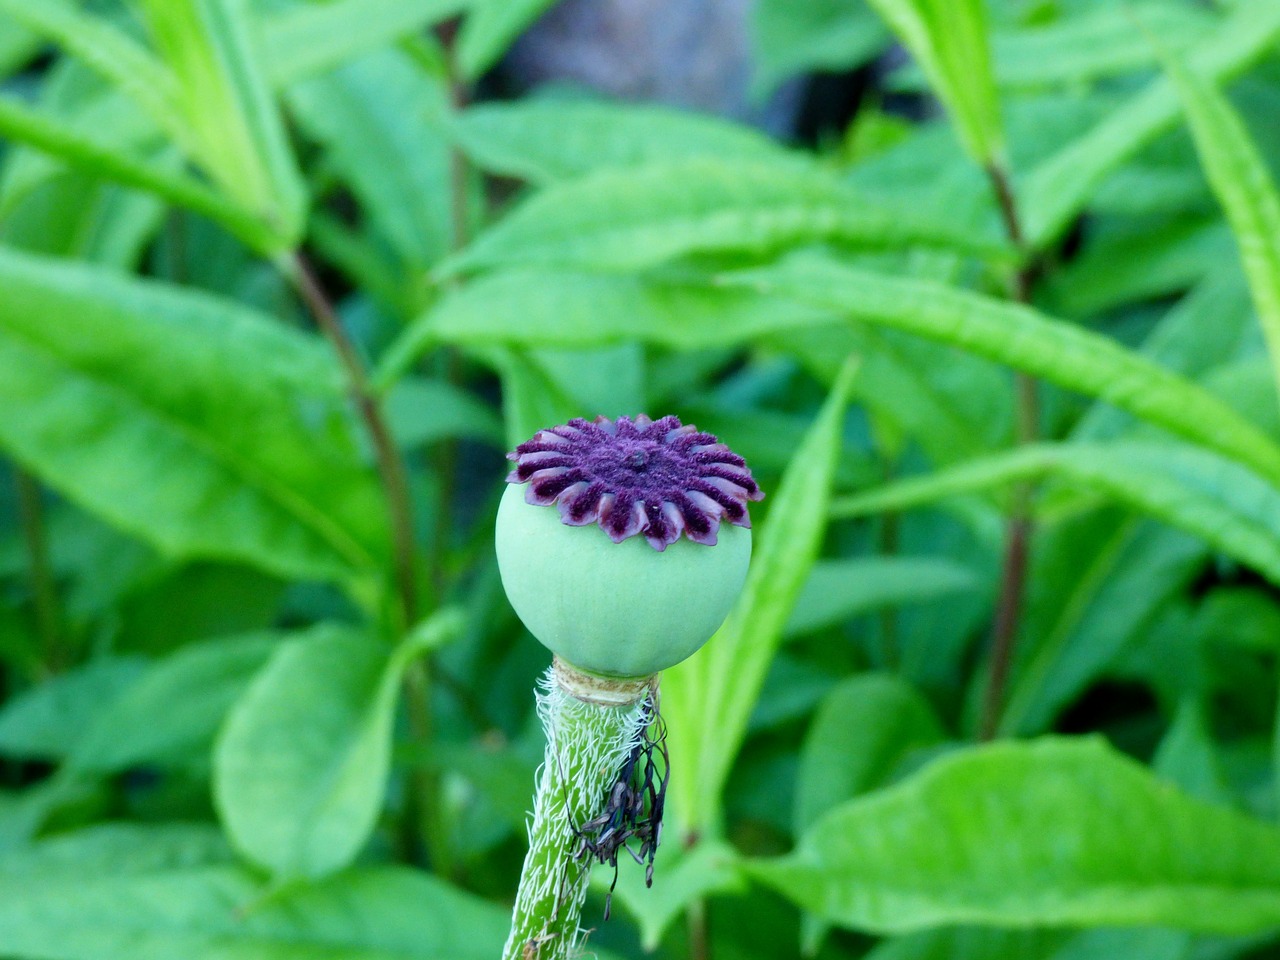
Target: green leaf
[191, 690]
[708, 699]
[48, 721]
[892, 720]
[543, 140]
[1060, 187]
[1026, 340]
[630, 219]
[199, 426]
[230, 124]
[553, 308]
[1187, 757]
[681, 877]
[1188, 488]
[953, 406]
[151, 893]
[948, 38]
[820, 35]
[26, 126]
[382, 122]
[1238, 175]
[301, 766]
[108, 51]
[421, 411]
[1123, 573]
[490, 28]
[314, 38]
[18, 46]
[1094, 45]
[1052, 832]
[839, 589]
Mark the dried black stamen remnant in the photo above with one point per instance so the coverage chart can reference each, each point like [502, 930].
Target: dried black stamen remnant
[634, 807]
[658, 478]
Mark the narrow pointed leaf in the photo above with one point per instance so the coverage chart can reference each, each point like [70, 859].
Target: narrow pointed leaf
[544, 140]
[490, 29]
[1194, 490]
[949, 40]
[1238, 175]
[232, 124]
[562, 308]
[108, 51]
[313, 38]
[636, 218]
[1026, 340]
[24, 125]
[709, 697]
[1060, 187]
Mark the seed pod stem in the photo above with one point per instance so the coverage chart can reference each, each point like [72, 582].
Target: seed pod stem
[593, 725]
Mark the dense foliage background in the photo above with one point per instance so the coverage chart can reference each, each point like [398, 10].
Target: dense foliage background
[998, 330]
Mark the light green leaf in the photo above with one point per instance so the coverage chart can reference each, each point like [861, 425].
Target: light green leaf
[160, 892]
[78, 217]
[1238, 175]
[1188, 488]
[18, 46]
[544, 139]
[839, 589]
[636, 218]
[553, 308]
[791, 38]
[382, 122]
[48, 722]
[1058, 188]
[708, 699]
[313, 38]
[490, 28]
[108, 51]
[1022, 338]
[24, 125]
[199, 426]
[191, 690]
[681, 877]
[892, 719]
[1051, 832]
[301, 766]
[230, 123]
[948, 38]
[1094, 45]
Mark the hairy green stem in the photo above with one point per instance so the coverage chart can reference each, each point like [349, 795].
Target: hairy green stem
[592, 726]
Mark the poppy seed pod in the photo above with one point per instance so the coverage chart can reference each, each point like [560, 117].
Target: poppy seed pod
[623, 545]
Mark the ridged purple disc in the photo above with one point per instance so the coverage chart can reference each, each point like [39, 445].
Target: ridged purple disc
[658, 478]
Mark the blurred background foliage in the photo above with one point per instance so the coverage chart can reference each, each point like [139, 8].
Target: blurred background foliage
[987, 294]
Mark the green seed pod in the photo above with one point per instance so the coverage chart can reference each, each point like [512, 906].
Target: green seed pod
[614, 555]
